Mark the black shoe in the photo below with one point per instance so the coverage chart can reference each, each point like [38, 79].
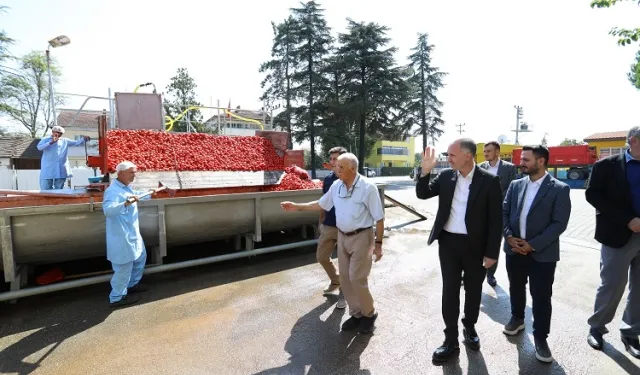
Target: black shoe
[367, 324]
[632, 345]
[595, 339]
[126, 300]
[492, 280]
[471, 338]
[138, 288]
[543, 353]
[514, 326]
[446, 351]
[351, 324]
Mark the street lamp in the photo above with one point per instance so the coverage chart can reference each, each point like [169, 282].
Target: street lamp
[56, 42]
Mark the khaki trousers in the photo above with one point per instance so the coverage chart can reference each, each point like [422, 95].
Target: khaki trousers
[355, 257]
[326, 243]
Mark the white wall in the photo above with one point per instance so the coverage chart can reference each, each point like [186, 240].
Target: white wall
[29, 179]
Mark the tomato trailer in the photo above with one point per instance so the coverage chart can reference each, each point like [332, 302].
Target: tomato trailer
[46, 228]
[577, 160]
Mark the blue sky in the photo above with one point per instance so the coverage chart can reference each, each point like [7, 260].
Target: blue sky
[553, 58]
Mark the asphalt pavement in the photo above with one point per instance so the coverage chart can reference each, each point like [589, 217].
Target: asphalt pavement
[267, 315]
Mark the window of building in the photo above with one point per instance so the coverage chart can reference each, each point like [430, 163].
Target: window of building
[393, 150]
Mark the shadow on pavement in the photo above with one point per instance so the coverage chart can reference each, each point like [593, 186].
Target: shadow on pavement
[499, 310]
[620, 358]
[59, 316]
[319, 347]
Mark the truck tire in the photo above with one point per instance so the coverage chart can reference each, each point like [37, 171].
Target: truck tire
[574, 174]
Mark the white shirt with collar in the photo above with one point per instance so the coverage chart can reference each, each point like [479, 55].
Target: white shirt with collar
[356, 208]
[494, 170]
[529, 195]
[456, 223]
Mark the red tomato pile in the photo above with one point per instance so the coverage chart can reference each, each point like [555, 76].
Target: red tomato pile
[294, 181]
[153, 150]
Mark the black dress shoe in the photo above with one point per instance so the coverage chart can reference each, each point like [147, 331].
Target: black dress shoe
[351, 324]
[125, 301]
[492, 280]
[446, 351]
[367, 324]
[632, 345]
[595, 339]
[471, 338]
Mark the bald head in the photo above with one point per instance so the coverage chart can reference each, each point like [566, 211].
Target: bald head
[461, 154]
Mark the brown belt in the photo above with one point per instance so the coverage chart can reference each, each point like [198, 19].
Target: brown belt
[355, 231]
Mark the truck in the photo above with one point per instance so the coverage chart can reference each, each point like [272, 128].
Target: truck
[576, 159]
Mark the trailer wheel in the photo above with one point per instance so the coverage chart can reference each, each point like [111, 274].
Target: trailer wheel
[574, 174]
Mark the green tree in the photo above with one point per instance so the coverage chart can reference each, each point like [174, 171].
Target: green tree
[424, 108]
[182, 95]
[313, 38]
[625, 37]
[277, 84]
[24, 97]
[374, 87]
[570, 142]
[5, 43]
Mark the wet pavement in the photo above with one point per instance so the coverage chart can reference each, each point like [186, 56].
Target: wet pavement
[267, 315]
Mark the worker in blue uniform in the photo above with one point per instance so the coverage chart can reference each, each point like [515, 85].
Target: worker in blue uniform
[125, 248]
[54, 165]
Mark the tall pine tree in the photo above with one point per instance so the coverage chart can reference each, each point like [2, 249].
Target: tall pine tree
[277, 85]
[374, 87]
[313, 44]
[424, 108]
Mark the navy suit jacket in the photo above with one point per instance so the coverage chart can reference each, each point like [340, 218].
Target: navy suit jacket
[547, 219]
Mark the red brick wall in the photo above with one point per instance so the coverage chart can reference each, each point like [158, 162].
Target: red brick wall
[279, 140]
[294, 157]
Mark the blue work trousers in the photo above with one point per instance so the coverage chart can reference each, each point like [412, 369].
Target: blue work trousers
[52, 183]
[126, 276]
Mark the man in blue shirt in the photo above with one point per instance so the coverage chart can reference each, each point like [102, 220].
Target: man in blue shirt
[54, 165]
[614, 191]
[328, 230]
[125, 248]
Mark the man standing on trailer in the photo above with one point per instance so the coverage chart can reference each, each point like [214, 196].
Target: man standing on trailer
[536, 212]
[507, 172]
[54, 165]
[329, 232]
[125, 248]
[614, 191]
[358, 208]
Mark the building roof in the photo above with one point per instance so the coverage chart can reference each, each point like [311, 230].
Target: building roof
[608, 136]
[19, 147]
[85, 119]
[253, 115]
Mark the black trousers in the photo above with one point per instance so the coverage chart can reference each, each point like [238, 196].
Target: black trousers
[458, 254]
[541, 275]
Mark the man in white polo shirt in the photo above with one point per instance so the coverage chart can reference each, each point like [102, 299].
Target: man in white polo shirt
[358, 208]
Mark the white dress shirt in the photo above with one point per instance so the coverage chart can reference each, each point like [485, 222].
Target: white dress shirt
[529, 195]
[456, 223]
[494, 170]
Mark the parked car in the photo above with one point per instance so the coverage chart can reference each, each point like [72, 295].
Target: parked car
[369, 172]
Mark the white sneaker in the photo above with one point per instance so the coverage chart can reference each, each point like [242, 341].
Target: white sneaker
[331, 288]
[342, 303]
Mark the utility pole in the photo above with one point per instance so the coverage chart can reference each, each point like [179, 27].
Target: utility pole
[524, 128]
[460, 126]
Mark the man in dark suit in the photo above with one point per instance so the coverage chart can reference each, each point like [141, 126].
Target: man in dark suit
[468, 228]
[507, 172]
[614, 191]
[536, 212]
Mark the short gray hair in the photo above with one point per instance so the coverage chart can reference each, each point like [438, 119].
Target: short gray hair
[633, 133]
[124, 166]
[467, 144]
[352, 159]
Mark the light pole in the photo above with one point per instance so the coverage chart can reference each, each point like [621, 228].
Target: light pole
[58, 41]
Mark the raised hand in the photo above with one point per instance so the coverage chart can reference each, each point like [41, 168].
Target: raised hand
[428, 160]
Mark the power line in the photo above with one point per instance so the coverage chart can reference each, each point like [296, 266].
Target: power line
[460, 126]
